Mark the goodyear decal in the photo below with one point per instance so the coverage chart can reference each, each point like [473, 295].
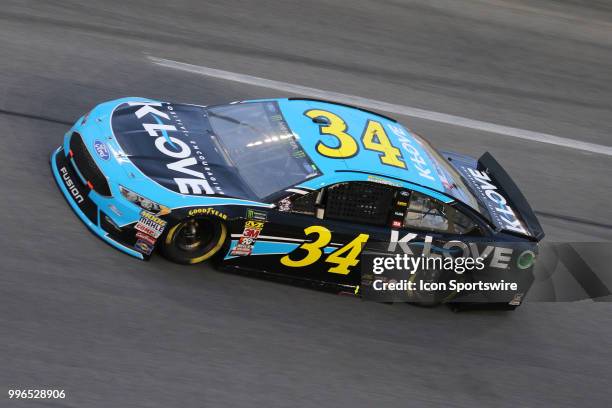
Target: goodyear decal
[207, 211]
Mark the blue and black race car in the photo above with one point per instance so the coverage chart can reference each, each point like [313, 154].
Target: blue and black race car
[294, 187]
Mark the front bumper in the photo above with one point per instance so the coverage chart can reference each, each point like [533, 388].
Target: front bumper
[78, 196]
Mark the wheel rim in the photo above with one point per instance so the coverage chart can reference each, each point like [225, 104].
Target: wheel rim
[196, 240]
[194, 236]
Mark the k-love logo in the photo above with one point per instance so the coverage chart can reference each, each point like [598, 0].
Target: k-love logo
[496, 255]
[414, 155]
[496, 201]
[187, 176]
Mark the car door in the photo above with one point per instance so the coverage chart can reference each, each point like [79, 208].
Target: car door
[324, 232]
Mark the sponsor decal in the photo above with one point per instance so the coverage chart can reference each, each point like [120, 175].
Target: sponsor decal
[207, 211]
[245, 243]
[496, 203]
[74, 191]
[402, 203]
[256, 215]
[496, 255]
[396, 224]
[186, 163]
[285, 205]
[152, 217]
[381, 180]
[150, 224]
[147, 238]
[254, 224]
[414, 155]
[143, 246]
[101, 149]
[147, 230]
[241, 250]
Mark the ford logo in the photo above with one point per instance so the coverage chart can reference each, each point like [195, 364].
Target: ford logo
[102, 150]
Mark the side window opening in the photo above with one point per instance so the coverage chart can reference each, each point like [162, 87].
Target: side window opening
[305, 204]
[300, 204]
[379, 204]
[426, 213]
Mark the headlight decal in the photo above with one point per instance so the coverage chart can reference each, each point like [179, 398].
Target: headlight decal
[143, 202]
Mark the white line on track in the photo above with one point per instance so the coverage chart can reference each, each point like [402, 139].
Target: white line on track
[387, 107]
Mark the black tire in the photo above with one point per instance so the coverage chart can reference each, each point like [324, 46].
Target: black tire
[431, 298]
[193, 240]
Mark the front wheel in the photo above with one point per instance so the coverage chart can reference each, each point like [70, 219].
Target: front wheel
[194, 240]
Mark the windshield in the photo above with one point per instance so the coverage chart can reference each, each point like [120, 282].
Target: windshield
[257, 141]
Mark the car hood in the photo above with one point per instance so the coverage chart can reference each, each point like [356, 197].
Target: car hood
[173, 145]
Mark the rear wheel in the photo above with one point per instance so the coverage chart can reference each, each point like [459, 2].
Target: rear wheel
[430, 298]
[194, 240]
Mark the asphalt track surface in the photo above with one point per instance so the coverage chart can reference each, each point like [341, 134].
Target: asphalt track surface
[117, 332]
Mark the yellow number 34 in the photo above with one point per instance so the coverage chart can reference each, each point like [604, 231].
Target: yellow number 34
[344, 257]
[374, 138]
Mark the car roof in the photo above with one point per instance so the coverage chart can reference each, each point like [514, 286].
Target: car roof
[421, 167]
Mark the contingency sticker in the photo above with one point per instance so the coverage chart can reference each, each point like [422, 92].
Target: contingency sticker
[256, 215]
[144, 246]
[150, 224]
[146, 238]
[249, 236]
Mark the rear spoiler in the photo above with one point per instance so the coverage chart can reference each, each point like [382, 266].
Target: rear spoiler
[509, 210]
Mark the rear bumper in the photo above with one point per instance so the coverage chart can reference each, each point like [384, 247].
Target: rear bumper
[77, 196]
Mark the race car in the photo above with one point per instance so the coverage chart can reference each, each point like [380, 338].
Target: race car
[293, 187]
